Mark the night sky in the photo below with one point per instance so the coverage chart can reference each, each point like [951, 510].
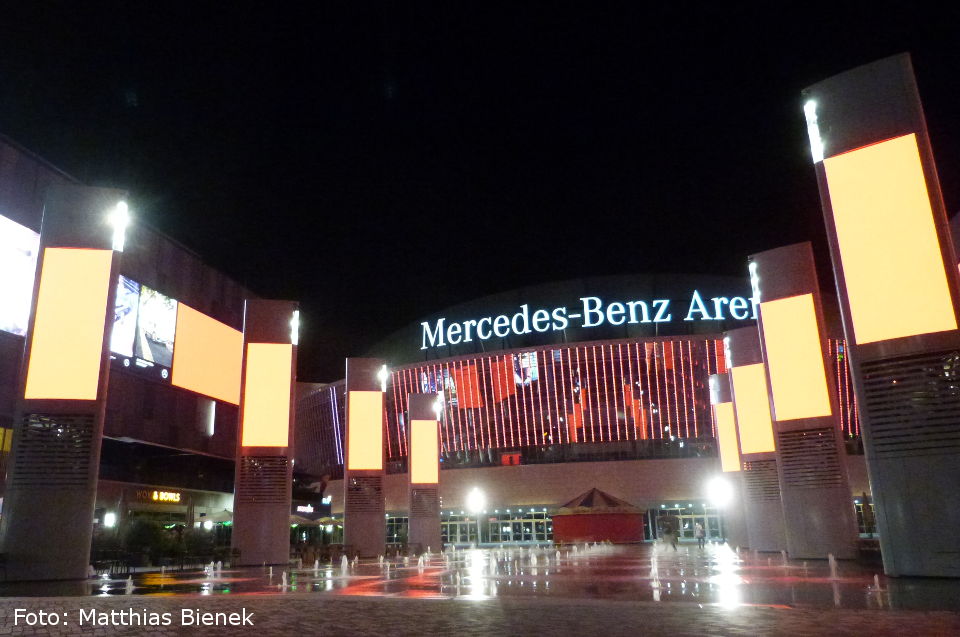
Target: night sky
[378, 163]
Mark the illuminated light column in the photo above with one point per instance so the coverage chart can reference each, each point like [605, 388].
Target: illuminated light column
[264, 471]
[817, 503]
[422, 413]
[896, 274]
[364, 506]
[52, 480]
[721, 400]
[763, 508]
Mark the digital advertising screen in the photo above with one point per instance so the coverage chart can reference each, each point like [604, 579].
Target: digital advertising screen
[156, 327]
[19, 247]
[125, 317]
[526, 369]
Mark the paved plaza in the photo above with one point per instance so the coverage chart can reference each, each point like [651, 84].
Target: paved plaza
[585, 590]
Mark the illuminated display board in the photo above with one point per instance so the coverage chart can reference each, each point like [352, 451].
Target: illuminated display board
[727, 437]
[365, 431]
[19, 247]
[68, 332]
[208, 356]
[266, 400]
[894, 275]
[424, 452]
[791, 338]
[753, 408]
[125, 310]
[156, 327]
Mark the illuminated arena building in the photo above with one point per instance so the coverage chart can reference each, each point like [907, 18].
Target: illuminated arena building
[549, 391]
[552, 390]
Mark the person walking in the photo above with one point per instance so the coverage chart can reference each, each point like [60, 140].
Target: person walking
[701, 535]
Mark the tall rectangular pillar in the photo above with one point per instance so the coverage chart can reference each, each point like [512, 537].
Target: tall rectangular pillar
[424, 457]
[817, 504]
[763, 507]
[364, 506]
[264, 472]
[896, 275]
[724, 415]
[48, 508]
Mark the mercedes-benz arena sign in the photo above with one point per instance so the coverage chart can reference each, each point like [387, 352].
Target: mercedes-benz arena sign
[590, 311]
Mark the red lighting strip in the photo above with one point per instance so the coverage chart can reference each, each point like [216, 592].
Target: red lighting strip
[606, 392]
[706, 349]
[565, 379]
[617, 392]
[693, 393]
[683, 380]
[410, 377]
[499, 393]
[575, 375]
[626, 379]
[455, 413]
[660, 399]
[491, 421]
[508, 423]
[481, 411]
[466, 412]
[664, 400]
[596, 426]
[634, 373]
[522, 397]
[541, 376]
[459, 413]
[676, 401]
[644, 396]
[556, 398]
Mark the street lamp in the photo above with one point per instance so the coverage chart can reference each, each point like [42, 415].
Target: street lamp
[476, 502]
[719, 493]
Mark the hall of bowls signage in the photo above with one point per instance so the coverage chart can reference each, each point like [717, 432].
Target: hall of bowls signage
[591, 311]
[158, 496]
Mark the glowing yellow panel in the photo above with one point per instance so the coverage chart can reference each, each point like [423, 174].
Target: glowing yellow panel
[266, 396]
[424, 452]
[67, 341]
[791, 339]
[208, 356]
[727, 435]
[365, 430]
[753, 408]
[896, 282]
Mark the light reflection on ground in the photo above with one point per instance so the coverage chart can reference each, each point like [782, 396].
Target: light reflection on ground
[716, 576]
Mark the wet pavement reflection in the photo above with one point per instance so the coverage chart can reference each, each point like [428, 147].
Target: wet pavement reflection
[716, 575]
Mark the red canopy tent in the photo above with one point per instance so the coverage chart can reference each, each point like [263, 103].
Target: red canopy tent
[596, 516]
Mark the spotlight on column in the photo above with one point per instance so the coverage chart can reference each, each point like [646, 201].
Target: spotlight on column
[119, 219]
[382, 376]
[438, 405]
[295, 328]
[719, 492]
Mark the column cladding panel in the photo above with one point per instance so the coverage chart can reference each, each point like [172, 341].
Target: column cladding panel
[424, 472]
[364, 516]
[58, 425]
[264, 471]
[869, 133]
[818, 511]
[763, 509]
